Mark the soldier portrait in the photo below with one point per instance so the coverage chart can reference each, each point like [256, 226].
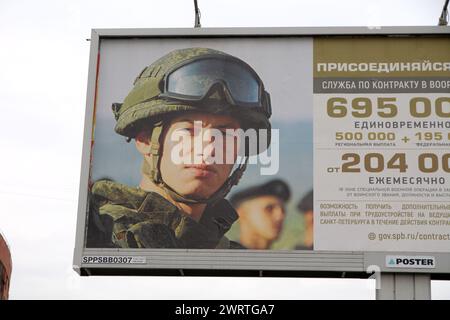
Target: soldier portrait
[179, 205]
[180, 127]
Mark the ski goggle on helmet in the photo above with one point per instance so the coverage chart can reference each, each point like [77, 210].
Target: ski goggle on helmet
[196, 79]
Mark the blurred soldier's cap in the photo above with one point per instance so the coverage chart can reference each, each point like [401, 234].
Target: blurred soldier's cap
[276, 187]
[306, 203]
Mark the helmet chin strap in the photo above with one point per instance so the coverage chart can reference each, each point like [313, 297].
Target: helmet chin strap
[151, 169]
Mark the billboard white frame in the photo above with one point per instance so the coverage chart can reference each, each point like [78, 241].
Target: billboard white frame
[233, 262]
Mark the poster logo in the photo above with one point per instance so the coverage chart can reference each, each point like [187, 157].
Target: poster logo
[416, 262]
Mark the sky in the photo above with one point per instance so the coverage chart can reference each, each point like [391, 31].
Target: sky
[43, 79]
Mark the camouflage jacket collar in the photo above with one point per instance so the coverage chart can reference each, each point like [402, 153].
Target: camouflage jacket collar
[133, 212]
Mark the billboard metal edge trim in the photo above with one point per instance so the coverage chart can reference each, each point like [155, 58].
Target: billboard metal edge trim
[86, 151]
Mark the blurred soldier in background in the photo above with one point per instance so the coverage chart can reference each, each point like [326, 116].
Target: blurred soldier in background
[261, 211]
[306, 207]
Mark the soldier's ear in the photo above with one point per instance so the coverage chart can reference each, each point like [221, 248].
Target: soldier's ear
[142, 142]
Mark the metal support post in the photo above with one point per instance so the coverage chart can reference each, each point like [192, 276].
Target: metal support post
[397, 286]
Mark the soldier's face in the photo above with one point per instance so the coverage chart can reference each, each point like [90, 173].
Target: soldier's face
[264, 216]
[199, 178]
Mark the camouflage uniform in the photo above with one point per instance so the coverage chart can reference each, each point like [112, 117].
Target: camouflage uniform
[125, 217]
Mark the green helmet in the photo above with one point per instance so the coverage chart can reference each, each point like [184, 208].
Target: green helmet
[193, 79]
[147, 102]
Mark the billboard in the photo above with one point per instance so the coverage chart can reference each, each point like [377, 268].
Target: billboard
[265, 150]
